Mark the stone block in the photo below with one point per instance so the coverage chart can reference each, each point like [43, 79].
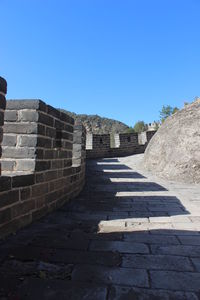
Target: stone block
[9, 197]
[108, 275]
[5, 183]
[27, 140]
[157, 262]
[39, 189]
[9, 140]
[122, 247]
[28, 115]
[25, 193]
[170, 280]
[23, 180]
[46, 119]
[26, 104]
[22, 208]
[5, 215]
[27, 165]
[10, 116]
[23, 152]
[41, 165]
[8, 165]
[18, 128]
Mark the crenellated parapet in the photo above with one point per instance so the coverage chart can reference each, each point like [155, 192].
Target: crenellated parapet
[123, 144]
[43, 162]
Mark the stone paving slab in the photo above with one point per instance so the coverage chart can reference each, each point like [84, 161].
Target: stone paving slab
[129, 235]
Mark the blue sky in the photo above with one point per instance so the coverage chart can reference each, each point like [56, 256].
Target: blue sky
[119, 59]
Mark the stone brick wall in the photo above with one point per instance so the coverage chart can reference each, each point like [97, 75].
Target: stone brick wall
[125, 144]
[3, 91]
[38, 175]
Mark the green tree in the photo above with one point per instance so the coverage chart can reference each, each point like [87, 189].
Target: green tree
[130, 130]
[167, 111]
[140, 126]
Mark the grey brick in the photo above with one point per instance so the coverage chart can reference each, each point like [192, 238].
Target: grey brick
[26, 104]
[131, 293]
[184, 281]
[182, 250]
[110, 275]
[9, 197]
[28, 115]
[120, 246]
[9, 140]
[157, 262]
[23, 180]
[23, 152]
[27, 140]
[10, 115]
[8, 165]
[5, 183]
[151, 239]
[20, 128]
[25, 165]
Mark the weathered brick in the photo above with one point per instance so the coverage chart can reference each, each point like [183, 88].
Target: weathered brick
[25, 165]
[41, 165]
[157, 262]
[53, 111]
[10, 116]
[26, 104]
[22, 208]
[20, 128]
[28, 115]
[5, 183]
[9, 140]
[9, 197]
[39, 189]
[5, 215]
[27, 140]
[25, 193]
[46, 119]
[44, 142]
[182, 281]
[23, 152]
[23, 180]
[8, 165]
[106, 275]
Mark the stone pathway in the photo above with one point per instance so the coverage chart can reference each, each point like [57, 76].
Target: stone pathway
[128, 235]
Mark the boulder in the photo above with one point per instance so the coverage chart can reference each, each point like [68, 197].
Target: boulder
[174, 151]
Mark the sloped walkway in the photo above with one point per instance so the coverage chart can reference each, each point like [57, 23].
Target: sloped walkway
[127, 236]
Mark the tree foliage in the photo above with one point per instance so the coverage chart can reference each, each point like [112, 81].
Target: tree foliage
[167, 111]
[140, 126]
[130, 130]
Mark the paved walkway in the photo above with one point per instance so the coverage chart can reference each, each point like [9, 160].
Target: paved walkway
[127, 236]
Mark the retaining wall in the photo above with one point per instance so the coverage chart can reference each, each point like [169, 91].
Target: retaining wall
[43, 162]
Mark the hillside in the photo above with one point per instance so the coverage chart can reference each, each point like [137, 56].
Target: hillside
[99, 125]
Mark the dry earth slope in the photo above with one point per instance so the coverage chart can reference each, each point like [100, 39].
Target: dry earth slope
[174, 151]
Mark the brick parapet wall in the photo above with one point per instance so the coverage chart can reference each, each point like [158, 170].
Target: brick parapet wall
[45, 136]
[125, 144]
[3, 92]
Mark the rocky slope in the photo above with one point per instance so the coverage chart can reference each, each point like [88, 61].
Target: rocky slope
[174, 151]
[99, 125]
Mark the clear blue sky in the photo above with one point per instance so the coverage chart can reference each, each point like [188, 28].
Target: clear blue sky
[119, 59]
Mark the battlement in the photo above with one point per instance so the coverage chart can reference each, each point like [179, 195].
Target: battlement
[43, 161]
[122, 144]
